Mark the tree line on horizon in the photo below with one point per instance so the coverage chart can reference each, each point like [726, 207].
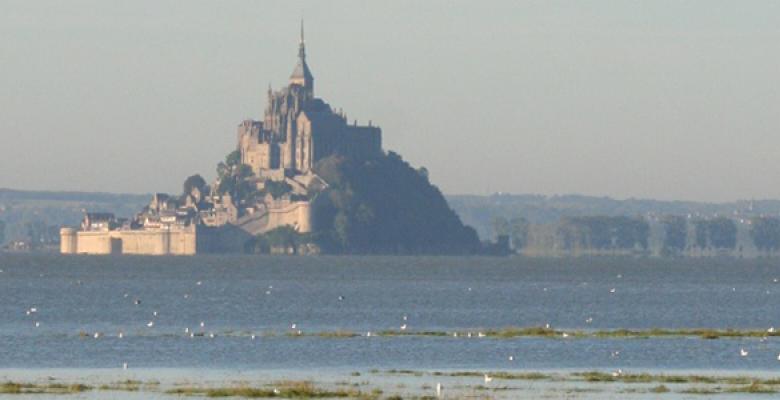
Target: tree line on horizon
[622, 234]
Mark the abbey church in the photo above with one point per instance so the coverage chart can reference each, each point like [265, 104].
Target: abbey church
[298, 129]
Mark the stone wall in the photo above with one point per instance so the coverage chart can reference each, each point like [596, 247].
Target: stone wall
[150, 242]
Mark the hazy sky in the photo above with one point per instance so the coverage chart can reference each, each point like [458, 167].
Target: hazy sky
[660, 99]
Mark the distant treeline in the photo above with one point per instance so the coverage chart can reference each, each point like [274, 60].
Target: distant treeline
[480, 211]
[675, 236]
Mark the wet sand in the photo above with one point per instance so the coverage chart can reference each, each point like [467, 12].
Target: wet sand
[405, 384]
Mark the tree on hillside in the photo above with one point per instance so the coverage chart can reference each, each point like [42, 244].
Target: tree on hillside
[675, 234]
[500, 226]
[518, 232]
[194, 181]
[603, 233]
[383, 205]
[701, 231]
[765, 232]
[722, 233]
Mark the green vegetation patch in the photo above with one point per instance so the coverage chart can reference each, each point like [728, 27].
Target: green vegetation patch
[285, 390]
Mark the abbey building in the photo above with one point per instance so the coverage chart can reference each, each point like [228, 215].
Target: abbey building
[297, 130]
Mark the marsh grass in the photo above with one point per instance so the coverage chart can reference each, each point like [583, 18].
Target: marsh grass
[52, 388]
[755, 387]
[282, 389]
[529, 376]
[544, 332]
[659, 389]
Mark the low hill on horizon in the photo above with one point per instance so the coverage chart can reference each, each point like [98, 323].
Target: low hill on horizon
[23, 210]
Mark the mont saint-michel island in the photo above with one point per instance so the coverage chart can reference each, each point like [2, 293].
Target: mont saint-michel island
[303, 180]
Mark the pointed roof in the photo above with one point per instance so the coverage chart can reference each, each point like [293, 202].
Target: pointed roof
[301, 73]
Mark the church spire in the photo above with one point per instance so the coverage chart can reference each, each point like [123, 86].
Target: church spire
[302, 46]
[301, 75]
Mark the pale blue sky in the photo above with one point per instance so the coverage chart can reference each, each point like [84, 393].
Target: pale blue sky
[661, 99]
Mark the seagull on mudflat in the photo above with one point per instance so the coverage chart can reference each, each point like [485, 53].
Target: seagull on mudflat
[403, 327]
[150, 324]
[488, 379]
[439, 387]
[743, 352]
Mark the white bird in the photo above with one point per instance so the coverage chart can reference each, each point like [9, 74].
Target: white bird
[121, 335]
[454, 334]
[488, 379]
[480, 334]
[468, 334]
[778, 357]
[547, 326]
[617, 373]
[33, 310]
[150, 324]
[37, 324]
[202, 324]
[615, 353]
[403, 327]
[743, 352]
[589, 320]
[564, 334]
[97, 335]
[211, 335]
[293, 326]
[267, 292]
[124, 365]
[612, 290]
[404, 317]
[771, 329]
[439, 387]
[511, 358]
[253, 336]
[186, 330]
[154, 313]
[198, 283]
[369, 334]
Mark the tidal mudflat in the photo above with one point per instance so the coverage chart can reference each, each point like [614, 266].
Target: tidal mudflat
[379, 384]
[379, 327]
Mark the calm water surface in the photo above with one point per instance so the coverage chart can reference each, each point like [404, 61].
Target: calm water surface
[241, 295]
